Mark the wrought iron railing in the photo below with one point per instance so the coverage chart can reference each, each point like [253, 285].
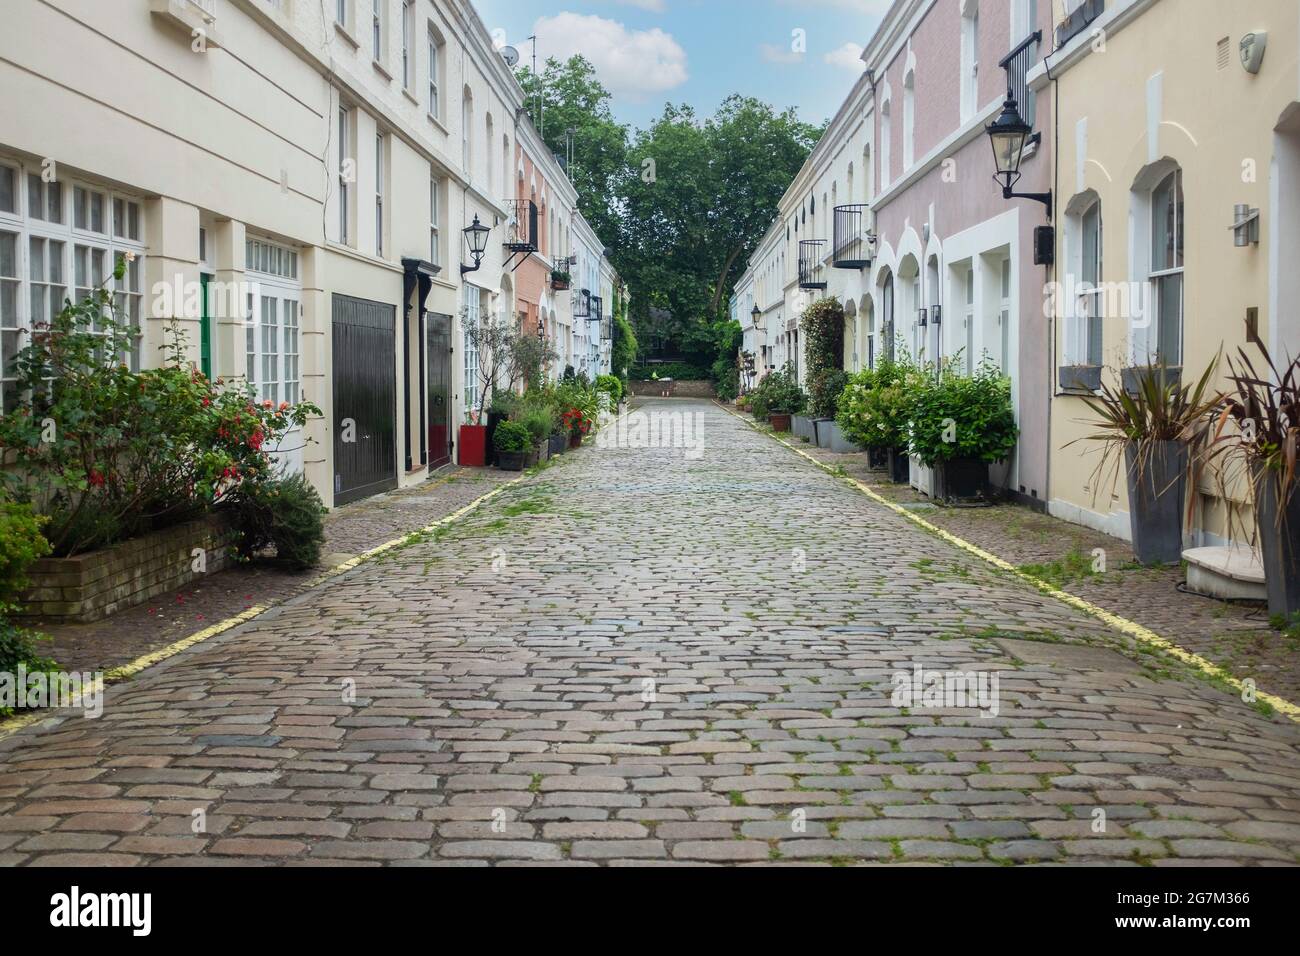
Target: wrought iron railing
[581, 303]
[521, 226]
[1018, 63]
[854, 245]
[812, 270]
[597, 309]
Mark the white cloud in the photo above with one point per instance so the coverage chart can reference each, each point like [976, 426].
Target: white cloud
[776, 54]
[654, 6]
[630, 63]
[848, 56]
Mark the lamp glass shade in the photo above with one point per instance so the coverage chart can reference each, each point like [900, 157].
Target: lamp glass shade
[1008, 134]
[476, 238]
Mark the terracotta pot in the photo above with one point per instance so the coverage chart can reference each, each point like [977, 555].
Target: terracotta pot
[780, 421]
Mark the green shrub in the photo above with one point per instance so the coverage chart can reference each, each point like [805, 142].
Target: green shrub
[612, 386]
[21, 543]
[875, 406]
[539, 419]
[282, 512]
[680, 371]
[18, 646]
[961, 416]
[780, 393]
[822, 325]
[824, 392]
[512, 436]
[726, 377]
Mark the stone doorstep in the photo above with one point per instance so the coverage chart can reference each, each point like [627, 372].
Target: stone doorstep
[1226, 573]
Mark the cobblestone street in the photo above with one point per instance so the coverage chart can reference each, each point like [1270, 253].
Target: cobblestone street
[636, 657]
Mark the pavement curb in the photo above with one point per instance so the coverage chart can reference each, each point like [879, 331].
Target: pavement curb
[1116, 622]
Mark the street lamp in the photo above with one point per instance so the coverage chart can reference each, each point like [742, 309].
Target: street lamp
[476, 241]
[1009, 133]
[757, 316]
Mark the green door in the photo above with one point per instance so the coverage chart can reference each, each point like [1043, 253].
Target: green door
[205, 329]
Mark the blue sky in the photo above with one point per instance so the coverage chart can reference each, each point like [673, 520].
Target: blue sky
[649, 52]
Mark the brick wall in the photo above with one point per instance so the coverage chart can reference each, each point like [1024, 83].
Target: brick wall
[680, 389]
[93, 586]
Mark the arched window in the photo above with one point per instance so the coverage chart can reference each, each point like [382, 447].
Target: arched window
[885, 136]
[970, 58]
[909, 120]
[467, 131]
[491, 156]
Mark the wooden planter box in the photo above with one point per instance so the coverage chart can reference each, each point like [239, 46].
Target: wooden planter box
[93, 586]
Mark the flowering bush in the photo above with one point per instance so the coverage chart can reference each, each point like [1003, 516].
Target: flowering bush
[106, 453]
[963, 416]
[874, 409]
[576, 423]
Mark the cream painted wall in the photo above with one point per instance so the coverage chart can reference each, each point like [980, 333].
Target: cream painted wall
[1218, 126]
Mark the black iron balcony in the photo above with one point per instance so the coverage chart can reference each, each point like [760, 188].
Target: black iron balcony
[1018, 63]
[812, 270]
[854, 244]
[581, 303]
[521, 226]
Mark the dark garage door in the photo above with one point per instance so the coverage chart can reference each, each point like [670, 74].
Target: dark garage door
[365, 398]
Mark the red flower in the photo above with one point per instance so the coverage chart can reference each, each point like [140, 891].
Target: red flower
[96, 478]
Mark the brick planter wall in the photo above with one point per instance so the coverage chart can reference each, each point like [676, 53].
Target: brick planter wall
[93, 586]
[680, 389]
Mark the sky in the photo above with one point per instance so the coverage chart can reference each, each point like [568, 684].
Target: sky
[800, 53]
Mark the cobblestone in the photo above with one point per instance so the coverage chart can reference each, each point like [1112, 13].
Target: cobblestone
[674, 661]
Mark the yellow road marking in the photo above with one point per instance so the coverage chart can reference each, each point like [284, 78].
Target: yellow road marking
[18, 722]
[1121, 624]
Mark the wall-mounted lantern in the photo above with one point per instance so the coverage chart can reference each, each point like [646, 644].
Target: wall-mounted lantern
[757, 316]
[1009, 133]
[476, 242]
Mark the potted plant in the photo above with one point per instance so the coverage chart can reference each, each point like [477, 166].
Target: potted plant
[1150, 427]
[560, 279]
[783, 398]
[960, 425]
[822, 325]
[874, 411]
[537, 418]
[500, 410]
[512, 442]
[577, 425]
[823, 402]
[1263, 411]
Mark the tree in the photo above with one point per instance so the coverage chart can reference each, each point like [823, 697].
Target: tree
[573, 98]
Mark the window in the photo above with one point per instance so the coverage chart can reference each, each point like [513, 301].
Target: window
[45, 200]
[88, 210]
[1166, 276]
[1024, 18]
[341, 13]
[379, 195]
[491, 156]
[1089, 303]
[884, 145]
[435, 60]
[272, 334]
[377, 30]
[968, 318]
[909, 121]
[8, 190]
[467, 130]
[45, 261]
[345, 175]
[473, 305]
[126, 219]
[407, 39]
[435, 220]
[970, 60]
[10, 336]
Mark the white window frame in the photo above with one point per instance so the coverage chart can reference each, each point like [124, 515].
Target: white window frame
[408, 44]
[1086, 308]
[272, 347]
[435, 220]
[473, 315]
[1156, 278]
[377, 30]
[434, 66]
[970, 59]
[344, 124]
[1006, 286]
[909, 120]
[380, 155]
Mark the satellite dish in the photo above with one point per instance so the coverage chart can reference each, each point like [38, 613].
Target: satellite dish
[510, 55]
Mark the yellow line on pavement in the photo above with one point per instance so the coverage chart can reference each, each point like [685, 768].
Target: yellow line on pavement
[18, 722]
[1121, 624]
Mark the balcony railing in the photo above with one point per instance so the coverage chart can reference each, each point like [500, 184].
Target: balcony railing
[812, 270]
[1018, 63]
[597, 309]
[521, 226]
[581, 303]
[854, 244]
[1078, 20]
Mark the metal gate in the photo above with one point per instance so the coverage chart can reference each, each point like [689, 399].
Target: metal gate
[438, 336]
[365, 398]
